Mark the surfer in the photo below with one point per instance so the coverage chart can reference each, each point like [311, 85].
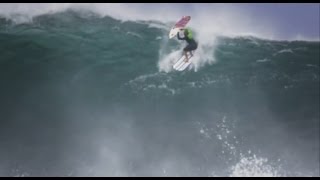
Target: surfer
[192, 45]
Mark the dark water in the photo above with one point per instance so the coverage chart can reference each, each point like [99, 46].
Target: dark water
[83, 96]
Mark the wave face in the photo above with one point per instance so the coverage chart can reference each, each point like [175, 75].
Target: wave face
[83, 95]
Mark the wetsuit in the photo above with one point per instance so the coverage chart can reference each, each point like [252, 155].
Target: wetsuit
[192, 45]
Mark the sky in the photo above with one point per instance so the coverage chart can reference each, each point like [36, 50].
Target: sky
[283, 21]
[292, 19]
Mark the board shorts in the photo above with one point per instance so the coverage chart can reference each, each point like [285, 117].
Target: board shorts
[191, 47]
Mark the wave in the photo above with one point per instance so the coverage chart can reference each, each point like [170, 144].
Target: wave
[103, 92]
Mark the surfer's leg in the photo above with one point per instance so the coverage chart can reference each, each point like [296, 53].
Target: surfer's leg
[193, 48]
[185, 51]
[186, 55]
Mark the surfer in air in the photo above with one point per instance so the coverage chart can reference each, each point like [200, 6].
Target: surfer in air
[192, 44]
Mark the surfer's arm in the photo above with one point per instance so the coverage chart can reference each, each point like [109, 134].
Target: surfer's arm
[180, 38]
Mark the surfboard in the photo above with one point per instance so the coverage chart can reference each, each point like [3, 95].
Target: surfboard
[180, 24]
[181, 65]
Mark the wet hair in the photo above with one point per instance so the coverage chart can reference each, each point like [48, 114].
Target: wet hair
[188, 33]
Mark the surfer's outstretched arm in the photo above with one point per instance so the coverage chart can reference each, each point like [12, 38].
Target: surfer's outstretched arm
[180, 38]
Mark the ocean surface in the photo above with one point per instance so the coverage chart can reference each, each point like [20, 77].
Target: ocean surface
[84, 95]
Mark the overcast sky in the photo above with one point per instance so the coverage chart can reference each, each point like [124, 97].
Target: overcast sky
[290, 19]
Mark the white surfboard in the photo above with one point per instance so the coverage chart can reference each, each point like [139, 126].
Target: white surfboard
[180, 24]
[181, 65]
[173, 32]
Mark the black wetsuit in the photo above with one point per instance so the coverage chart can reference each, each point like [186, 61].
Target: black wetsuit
[192, 44]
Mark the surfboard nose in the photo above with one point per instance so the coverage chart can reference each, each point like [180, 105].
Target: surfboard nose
[173, 32]
[180, 24]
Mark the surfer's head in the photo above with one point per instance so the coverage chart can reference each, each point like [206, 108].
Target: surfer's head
[188, 33]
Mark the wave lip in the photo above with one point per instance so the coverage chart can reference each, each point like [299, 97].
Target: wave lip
[207, 19]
